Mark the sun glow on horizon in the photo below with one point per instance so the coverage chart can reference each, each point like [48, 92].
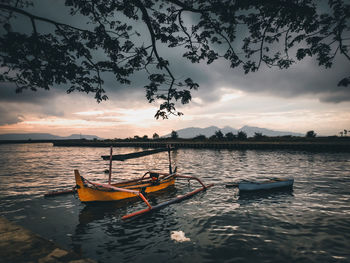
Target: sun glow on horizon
[236, 109]
[110, 123]
[90, 113]
[138, 117]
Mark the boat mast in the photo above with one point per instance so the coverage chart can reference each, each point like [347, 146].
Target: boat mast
[170, 170]
[110, 166]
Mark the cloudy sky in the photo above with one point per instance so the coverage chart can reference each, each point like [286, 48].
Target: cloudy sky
[304, 97]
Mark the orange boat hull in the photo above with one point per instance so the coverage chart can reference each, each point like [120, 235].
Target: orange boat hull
[94, 193]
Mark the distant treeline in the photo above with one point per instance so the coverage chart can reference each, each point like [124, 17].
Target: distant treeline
[217, 138]
[230, 137]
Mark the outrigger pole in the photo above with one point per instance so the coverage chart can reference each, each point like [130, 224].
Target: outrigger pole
[169, 202]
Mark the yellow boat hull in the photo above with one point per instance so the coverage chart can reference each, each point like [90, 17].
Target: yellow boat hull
[87, 193]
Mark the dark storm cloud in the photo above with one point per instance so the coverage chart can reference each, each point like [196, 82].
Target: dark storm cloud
[13, 106]
[8, 94]
[8, 115]
[336, 97]
[305, 78]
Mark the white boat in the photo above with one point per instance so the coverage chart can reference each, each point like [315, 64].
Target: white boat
[265, 185]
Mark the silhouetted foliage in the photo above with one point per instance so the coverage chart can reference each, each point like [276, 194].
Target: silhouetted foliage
[155, 136]
[258, 136]
[200, 137]
[174, 135]
[310, 134]
[241, 135]
[219, 135]
[276, 33]
[230, 136]
[213, 137]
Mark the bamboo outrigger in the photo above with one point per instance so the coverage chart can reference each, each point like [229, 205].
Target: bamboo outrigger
[148, 183]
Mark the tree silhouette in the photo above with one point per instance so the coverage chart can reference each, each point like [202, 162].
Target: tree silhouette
[258, 135]
[241, 135]
[200, 137]
[155, 136]
[247, 33]
[174, 135]
[230, 136]
[310, 134]
[219, 135]
[213, 137]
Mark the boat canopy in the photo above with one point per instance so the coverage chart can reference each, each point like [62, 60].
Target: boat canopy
[123, 157]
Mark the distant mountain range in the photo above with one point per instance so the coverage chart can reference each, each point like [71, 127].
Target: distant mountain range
[249, 130]
[43, 136]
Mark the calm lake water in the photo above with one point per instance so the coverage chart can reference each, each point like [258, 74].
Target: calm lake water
[309, 224]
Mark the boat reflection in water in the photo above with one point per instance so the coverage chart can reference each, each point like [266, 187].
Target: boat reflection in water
[101, 222]
[94, 211]
[278, 195]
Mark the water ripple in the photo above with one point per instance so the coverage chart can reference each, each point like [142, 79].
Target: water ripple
[309, 224]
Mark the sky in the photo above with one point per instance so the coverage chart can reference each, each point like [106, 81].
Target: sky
[302, 98]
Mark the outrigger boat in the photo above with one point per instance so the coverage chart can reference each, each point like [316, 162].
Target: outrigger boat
[150, 182]
[270, 184]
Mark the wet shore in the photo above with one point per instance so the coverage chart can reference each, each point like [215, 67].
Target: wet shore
[18, 244]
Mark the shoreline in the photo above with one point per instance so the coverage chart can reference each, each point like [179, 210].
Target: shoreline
[298, 144]
[18, 244]
[242, 145]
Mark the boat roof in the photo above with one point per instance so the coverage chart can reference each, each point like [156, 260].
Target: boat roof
[123, 157]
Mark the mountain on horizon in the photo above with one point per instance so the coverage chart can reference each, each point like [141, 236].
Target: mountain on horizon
[192, 132]
[195, 131]
[250, 131]
[44, 136]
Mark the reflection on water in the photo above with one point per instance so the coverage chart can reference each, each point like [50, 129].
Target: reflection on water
[307, 224]
[275, 195]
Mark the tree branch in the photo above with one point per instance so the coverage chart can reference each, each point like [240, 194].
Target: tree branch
[188, 8]
[147, 20]
[34, 17]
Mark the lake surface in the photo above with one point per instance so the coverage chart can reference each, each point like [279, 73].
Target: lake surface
[309, 224]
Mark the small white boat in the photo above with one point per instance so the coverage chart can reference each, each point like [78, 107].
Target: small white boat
[263, 185]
